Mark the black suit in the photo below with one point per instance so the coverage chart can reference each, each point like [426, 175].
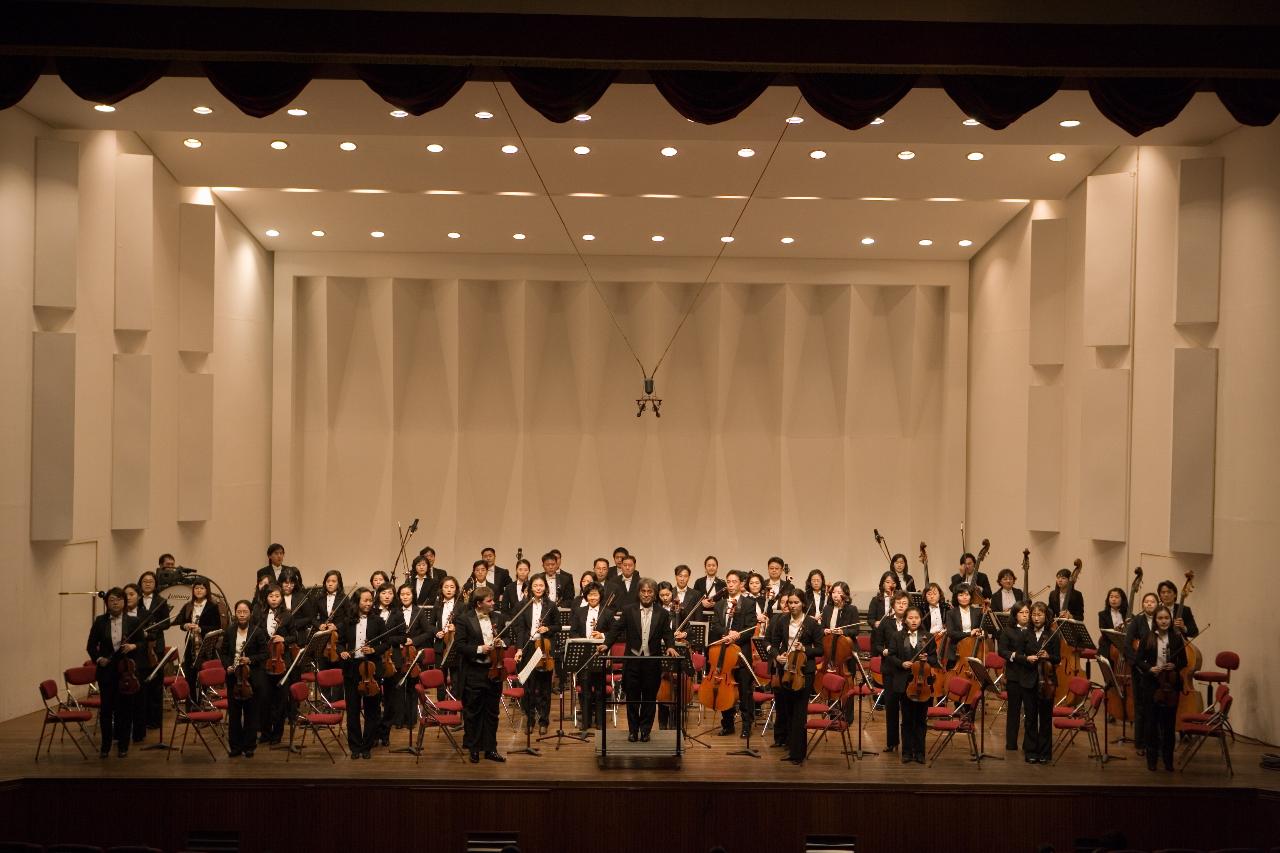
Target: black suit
[1105, 623]
[269, 571]
[153, 691]
[640, 678]
[997, 598]
[977, 580]
[791, 705]
[244, 715]
[743, 621]
[511, 602]
[359, 738]
[846, 619]
[815, 602]
[876, 610]
[883, 636]
[210, 620]
[688, 605]
[424, 588]
[537, 689]
[1075, 604]
[905, 582]
[560, 587]
[1161, 715]
[784, 588]
[1181, 611]
[619, 593]
[901, 651]
[115, 715]
[499, 578]
[1135, 635]
[1022, 681]
[481, 695]
[700, 586]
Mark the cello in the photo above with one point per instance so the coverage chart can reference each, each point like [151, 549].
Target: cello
[1069, 662]
[719, 689]
[1120, 701]
[1189, 699]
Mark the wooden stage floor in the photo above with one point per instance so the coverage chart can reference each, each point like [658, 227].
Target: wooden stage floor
[874, 800]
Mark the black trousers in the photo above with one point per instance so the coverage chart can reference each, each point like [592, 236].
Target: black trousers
[392, 706]
[115, 719]
[360, 737]
[1161, 724]
[1013, 716]
[790, 714]
[640, 680]
[153, 701]
[536, 702]
[243, 715]
[480, 704]
[273, 706]
[893, 726]
[1142, 702]
[914, 716]
[592, 697]
[1038, 715]
[746, 704]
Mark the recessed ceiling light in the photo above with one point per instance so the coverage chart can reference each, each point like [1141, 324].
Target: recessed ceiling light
[787, 240]
[279, 144]
[588, 237]
[657, 238]
[296, 111]
[746, 152]
[587, 195]
[453, 235]
[966, 243]
[581, 149]
[669, 152]
[801, 198]
[1057, 156]
[877, 198]
[369, 191]
[877, 121]
[727, 239]
[444, 192]
[377, 235]
[868, 241]
[1016, 200]
[271, 232]
[1070, 122]
[906, 155]
[520, 193]
[795, 120]
[658, 195]
[435, 148]
[104, 108]
[484, 115]
[192, 142]
[347, 146]
[509, 149]
[974, 155]
[926, 242]
[582, 117]
[299, 190]
[317, 233]
[399, 114]
[517, 236]
[971, 122]
[731, 196]
[202, 110]
[817, 154]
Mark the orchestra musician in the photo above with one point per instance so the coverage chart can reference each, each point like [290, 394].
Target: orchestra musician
[1183, 620]
[883, 602]
[602, 570]
[421, 582]
[417, 627]
[776, 586]
[625, 588]
[559, 583]
[137, 718]
[434, 572]
[480, 580]
[883, 637]
[1135, 636]
[538, 619]
[906, 647]
[387, 606]
[247, 642]
[1060, 603]
[198, 617]
[734, 616]
[585, 580]
[359, 641]
[793, 630]
[935, 615]
[477, 631]
[646, 632]
[448, 607]
[970, 576]
[272, 698]
[616, 568]
[153, 608]
[500, 576]
[377, 580]
[683, 594]
[1160, 656]
[840, 612]
[709, 587]
[816, 595]
[899, 566]
[109, 641]
[1043, 645]
[513, 594]
[592, 622]
[1007, 594]
[963, 620]
[1112, 618]
[275, 566]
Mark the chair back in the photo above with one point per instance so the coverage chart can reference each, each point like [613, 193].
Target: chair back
[958, 689]
[210, 664]
[1078, 687]
[761, 668]
[329, 677]
[79, 676]
[699, 661]
[1225, 707]
[833, 683]
[428, 657]
[299, 691]
[864, 644]
[993, 661]
[509, 664]
[211, 677]
[48, 690]
[431, 679]
[180, 690]
[1220, 695]
[1227, 661]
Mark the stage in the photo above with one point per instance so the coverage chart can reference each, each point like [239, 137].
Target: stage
[562, 800]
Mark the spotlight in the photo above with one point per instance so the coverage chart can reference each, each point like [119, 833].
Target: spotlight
[746, 152]
[657, 238]
[347, 146]
[1057, 156]
[817, 154]
[484, 115]
[974, 155]
[588, 237]
[787, 241]
[669, 152]
[271, 232]
[726, 239]
[453, 235]
[517, 236]
[964, 244]
[509, 149]
[581, 149]
[192, 142]
[202, 111]
[435, 148]
[926, 242]
[377, 235]
[868, 241]
[317, 233]
[877, 120]
[279, 144]
[906, 155]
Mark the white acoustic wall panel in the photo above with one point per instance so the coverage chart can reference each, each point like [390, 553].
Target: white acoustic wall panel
[1194, 437]
[57, 223]
[1044, 457]
[131, 443]
[53, 427]
[1047, 340]
[195, 446]
[1108, 259]
[1104, 455]
[1199, 240]
[195, 278]
[135, 240]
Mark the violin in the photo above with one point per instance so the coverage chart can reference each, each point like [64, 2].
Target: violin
[244, 689]
[368, 672]
[275, 656]
[923, 675]
[792, 674]
[388, 663]
[409, 655]
[128, 672]
[546, 644]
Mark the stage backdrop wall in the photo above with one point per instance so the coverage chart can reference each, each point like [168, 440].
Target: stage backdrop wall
[1156, 401]
[494, 399]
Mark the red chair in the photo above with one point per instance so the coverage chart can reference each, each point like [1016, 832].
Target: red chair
[58, 716]
[1073, 703]
[310, 719]
[877, 680]
[995, 668]
[1227, 663]
[830, 718]
[762, 694]
[510, 690]
[82, 676]
[1215, 727]
[213, 693]
[430, 714]
[1081, 719]
[190, 720]
[958, 721]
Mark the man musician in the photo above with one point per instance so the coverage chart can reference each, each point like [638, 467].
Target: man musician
[646, 631]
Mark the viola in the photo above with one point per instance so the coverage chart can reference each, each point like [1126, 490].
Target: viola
[331, 648]
[388, 663]
[368, 672]
[128, 672]
[792, 676]
[243, 689]
[409, 659]
[923, 675]
[275, 656]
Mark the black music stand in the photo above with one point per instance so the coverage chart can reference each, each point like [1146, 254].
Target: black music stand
[865, 688]
[979, 670]
[750, 724]
[993, 622]
[697, 635]
[1109, 684]
[582, 652]
[917, 601]
[1117, 643]
[529, 748]
[158, 671]
[312, 649]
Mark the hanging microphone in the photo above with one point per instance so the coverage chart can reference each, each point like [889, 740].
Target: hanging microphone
[413, 528]
[876, 531]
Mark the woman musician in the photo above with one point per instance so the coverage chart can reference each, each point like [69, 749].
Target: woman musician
[414, 624]
[448, 608]
[934, 619]
[963, 620]
[274, 620]
[816, 594]
[154, 609]
[1025, 644]
[1162, 653]
[591, 622]
[246, 643]
[883, 601]
[840, 613]
[361, 639]
[1112, 618]
[1006, 594]
[387, 607]
[791, 631]
[911, 645]
[536, 622]
[198, 617]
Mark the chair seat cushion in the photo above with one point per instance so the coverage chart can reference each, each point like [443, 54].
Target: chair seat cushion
[308, 676]
[168, 680]
[816, 708]
[71, 716]
[1212, 677]
[91, 702]
[323, 719]
[204, 716]
[1196, 718]
[513, 692]
[443, 720]
[340, 705]
[1201, 729]
[824, 724]
[449, 705]
[1062, 711]
[220, 704]
[760, 698]
[936, 711]
[1070, 723]
[1089, 654]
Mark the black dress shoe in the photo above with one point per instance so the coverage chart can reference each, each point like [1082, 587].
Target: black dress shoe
[495, 756]
[644, 738]
[889, 749]
[386, 741]
[796, 761]
[122, 753]
[725, 732]
[907, 759]
[919, 758]
[746, 733]
[235, 753]
[248, 753]
[475, 757]
[1030, 759]
[633, 737]
[777, 745]
[355, 755]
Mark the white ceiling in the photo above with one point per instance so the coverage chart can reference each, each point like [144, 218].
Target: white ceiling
[391, 183]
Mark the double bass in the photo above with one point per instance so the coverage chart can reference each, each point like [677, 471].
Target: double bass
[1120, 702]
[1189, 699]
[1069, 663]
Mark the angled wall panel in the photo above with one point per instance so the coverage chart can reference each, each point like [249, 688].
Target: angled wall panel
[131, 443]
[1108, 259]
[1047, 341]
[57, 223]
[53, 426]
[1104, 455]
[1044, 457]
[195, 446]
[1199, 240]
[195, 278]
[1195, 420]
[135, 240]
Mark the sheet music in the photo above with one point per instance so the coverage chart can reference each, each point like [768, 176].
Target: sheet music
[530, 665]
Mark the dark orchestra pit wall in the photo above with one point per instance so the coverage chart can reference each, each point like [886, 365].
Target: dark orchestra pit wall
[321, 814]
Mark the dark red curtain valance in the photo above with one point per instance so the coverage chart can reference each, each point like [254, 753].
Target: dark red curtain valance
[1137, 104]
